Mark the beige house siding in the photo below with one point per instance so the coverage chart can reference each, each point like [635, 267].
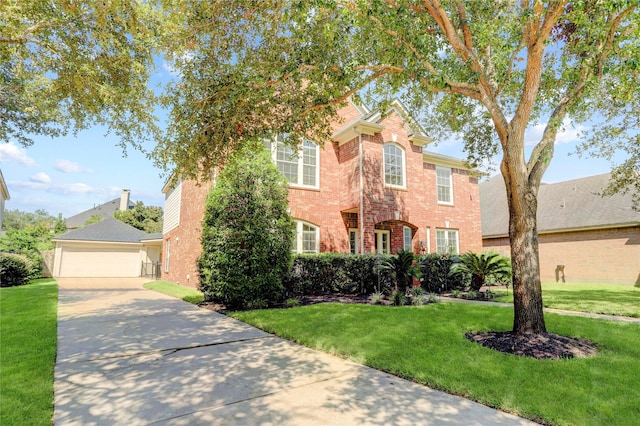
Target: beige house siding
[610, 256]
[172, 207]
[97, 259]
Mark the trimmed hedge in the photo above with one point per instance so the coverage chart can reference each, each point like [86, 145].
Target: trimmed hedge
[436, 276]
[16, 269]
[329, 273]
[338, 273]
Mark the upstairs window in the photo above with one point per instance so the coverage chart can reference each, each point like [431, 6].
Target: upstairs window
[394, 165]
[443, 185]
[300, 166]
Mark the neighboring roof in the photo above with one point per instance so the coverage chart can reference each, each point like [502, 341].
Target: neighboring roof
[563, 206]
[108, 230]
[3, 188]
[105, 210]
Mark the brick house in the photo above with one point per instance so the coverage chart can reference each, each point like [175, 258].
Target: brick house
[581, 235]
[374, 189]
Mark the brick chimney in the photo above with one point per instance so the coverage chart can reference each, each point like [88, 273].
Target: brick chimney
[124, 199]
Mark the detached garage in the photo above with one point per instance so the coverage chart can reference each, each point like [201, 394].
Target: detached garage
[106, 249]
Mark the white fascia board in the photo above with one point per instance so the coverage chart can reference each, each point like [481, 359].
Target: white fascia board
[356, 128]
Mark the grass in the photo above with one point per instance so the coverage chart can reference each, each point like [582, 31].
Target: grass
[28, 339]
[595, 298]
[427, 345]
[174, 290]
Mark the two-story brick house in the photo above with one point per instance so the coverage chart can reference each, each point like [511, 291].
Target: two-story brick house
[374, 189]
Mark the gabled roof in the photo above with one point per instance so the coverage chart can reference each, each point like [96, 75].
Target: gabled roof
[564, 206]
[105, 210]
[108, 230]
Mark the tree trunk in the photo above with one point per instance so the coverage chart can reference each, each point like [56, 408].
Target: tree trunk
[527, 292]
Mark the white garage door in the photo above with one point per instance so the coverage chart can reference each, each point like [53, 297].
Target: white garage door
[100, 262]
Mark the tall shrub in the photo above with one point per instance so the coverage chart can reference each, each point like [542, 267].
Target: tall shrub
[247, 233]
[436, 276]
[16, 269]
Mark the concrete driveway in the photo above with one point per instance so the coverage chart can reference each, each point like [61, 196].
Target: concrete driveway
[130, 356]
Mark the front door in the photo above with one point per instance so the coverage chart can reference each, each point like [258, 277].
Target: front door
[382, 239]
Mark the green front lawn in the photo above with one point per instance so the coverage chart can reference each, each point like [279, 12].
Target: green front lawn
[595, 298]
[427, 345]
[174, 290]
[28, 339]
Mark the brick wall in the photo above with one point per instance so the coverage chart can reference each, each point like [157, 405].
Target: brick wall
[185, 239]
[610, 256]
[334, 206]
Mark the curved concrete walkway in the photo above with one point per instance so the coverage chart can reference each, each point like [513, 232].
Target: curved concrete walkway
[552, 310]
[129, 356]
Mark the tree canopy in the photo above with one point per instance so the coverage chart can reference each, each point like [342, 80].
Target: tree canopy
[144, 218]
[67, 65]
[481, 71]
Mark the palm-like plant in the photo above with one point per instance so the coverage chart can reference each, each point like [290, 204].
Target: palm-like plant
[401, 269]
[483, 267]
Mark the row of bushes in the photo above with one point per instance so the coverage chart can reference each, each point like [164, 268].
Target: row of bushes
[17, 269]
[328, 273]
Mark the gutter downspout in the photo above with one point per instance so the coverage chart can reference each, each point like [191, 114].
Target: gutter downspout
[361, 213]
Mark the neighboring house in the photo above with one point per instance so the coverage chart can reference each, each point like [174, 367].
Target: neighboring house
[105, 210]
[108, 248]
[586, 237]
[4, 196]
[374, 189]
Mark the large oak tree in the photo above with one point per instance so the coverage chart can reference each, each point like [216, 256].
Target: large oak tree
[482, 70]
[67, 65]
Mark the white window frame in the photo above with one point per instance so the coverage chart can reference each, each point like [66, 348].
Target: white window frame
[440, 184]
[167, 256]
[297, 160]
[448, 236]
[380, 249]
[407, 232]
[403, 165]
[354, 247]
[300, 234]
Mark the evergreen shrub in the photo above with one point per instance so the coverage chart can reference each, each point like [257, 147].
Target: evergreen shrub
[335, 273]
[247, 233]
[16, 269]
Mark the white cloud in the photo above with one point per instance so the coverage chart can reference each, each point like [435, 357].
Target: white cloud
[11, 152]
[67, 166]
[41, 177]
[568, 133]
[76, 188]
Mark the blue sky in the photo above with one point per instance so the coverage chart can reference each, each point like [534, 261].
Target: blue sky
[71, 174]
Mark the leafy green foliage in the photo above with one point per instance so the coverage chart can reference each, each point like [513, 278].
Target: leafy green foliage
[69, 65]
[247, 233]
[15, 269]
[144, 218]
[479, 71]
[328, 273]
[436, 276]
[29, 234]
[483, 269]
[401, 268]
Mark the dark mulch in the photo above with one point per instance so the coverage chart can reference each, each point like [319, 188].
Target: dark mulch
[339, 298]
[540, 346]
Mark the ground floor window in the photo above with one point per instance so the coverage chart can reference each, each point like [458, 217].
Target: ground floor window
[307, 238]
[353, 241]
[447, 241]
[407, 237]
[382, 240]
